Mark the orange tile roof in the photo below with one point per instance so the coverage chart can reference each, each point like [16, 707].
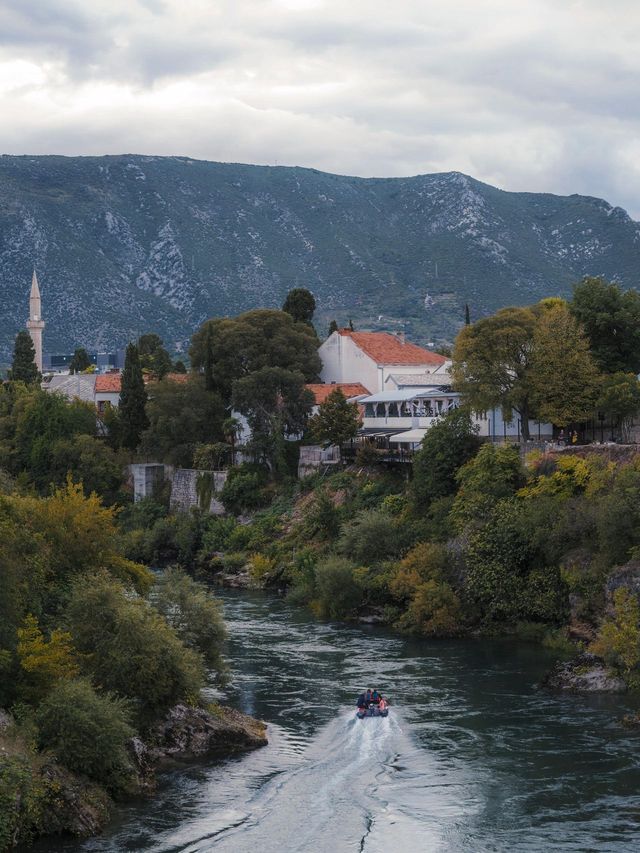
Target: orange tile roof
[177, 377]
[349, 389]
[108, 383]
[385, 348]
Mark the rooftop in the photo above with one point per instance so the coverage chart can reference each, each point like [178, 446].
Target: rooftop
[350, 389]
[385, 348]
[108, 383]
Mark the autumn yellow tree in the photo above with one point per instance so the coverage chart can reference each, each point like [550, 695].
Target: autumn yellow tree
[565, 381]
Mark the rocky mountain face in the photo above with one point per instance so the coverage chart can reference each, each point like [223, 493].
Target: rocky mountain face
[128, 244]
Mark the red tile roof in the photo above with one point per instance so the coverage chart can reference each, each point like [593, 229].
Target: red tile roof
[177, 377]
[108, 383]
[349, 389]
[385, 348]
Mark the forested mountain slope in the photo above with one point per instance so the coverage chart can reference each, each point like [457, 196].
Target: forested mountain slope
[125, 244]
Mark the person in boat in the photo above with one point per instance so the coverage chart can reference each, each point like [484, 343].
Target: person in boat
[367, 698]
[360, 702]
[376, 697]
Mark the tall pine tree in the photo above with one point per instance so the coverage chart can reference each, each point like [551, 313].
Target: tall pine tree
[133, 399]
[23, 367]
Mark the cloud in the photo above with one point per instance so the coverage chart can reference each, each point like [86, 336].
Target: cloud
[535, 95]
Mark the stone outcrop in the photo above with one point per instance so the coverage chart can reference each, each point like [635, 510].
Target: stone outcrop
[584, 674]
[193, 732]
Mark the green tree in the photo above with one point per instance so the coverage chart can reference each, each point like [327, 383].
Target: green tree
[300, 304]
[276, 405]
[338, 591]
[90, 461]
[336, 421]
[153, 356]
[181, 416]
[564, 379]
[43, 662]
[179, 367]
[87, 732]
[42, 419]
[467, 315]
[129, 648]
[610, 317]
[494, 473]
[333, 327]
[371, 536]
[133, 399]
[449, 443]
[23, 366]
[194, 614]
[80, 361]
[232, 348]
[492, 362]
[619, 399]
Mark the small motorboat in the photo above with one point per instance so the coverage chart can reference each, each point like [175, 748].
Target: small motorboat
[379, 708]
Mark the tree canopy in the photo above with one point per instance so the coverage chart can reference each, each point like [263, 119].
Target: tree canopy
[301, 304]
[153, 355]
[276, 405]
[564, 377]
[181, 416]
[133, 398]
[492, 362]
[232, 348]
[611, 318]
[336, 421]
[23, 366]
[80, 361]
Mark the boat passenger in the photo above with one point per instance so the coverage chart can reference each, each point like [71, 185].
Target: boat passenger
[360, 701]
[367, 698]
[376, 697]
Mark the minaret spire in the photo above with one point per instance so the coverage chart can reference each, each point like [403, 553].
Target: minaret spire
[35, 323]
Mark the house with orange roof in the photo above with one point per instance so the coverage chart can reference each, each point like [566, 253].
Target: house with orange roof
[107, 390]
[374, 358]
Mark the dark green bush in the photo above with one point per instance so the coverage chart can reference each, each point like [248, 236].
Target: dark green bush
[87, 732]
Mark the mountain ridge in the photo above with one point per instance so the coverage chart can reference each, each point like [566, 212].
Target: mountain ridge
[131, 243]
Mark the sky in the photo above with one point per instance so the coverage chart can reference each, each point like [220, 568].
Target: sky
[538, 95]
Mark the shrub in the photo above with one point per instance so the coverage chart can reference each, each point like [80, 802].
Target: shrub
[129, 648]
[424, 562]
[217, 532]
[245, 489]
[43, 662]
[338, 592]
[434, 611]
[194, 614]
[618, 640]
[87, 732]
[370, 537]
[260, 567]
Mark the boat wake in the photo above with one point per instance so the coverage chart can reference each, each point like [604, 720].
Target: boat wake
[350, 790]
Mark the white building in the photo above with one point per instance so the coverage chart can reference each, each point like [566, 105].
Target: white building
[373, 358]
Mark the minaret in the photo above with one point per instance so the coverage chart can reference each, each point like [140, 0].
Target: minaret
[35, 323]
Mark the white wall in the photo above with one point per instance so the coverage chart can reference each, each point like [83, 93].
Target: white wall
[343, 361]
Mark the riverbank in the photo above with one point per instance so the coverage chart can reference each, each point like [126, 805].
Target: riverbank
[40, 797]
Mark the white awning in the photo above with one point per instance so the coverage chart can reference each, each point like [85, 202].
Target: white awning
[411, 436]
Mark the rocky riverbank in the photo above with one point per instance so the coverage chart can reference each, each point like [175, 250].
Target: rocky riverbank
[39, 797]
[584, 674]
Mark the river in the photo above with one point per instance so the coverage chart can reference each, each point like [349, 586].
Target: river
[473, 757]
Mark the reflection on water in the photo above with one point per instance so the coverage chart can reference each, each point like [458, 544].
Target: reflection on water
[472, 757]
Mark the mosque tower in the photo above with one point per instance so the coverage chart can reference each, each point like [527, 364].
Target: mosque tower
[35, 323]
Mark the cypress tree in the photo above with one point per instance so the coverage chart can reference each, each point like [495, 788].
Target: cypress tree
[333, 327]
[467, 315]
[23, 367]
[133, 399]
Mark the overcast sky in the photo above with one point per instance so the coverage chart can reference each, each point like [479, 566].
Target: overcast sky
[539, 95]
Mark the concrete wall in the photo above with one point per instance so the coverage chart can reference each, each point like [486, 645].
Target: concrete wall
[184, 491]
[145, 479]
